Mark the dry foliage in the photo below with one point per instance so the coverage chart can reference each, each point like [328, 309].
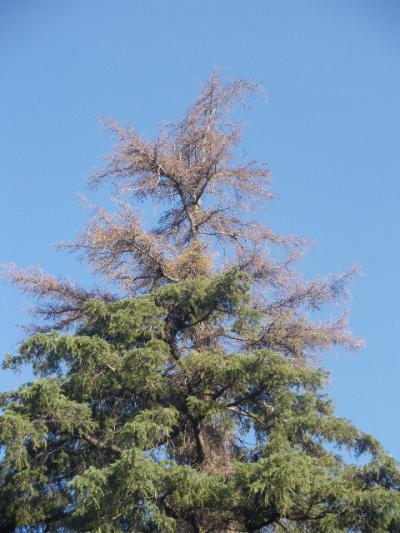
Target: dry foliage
[190, 171]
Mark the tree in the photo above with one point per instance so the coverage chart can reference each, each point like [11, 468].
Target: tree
[186, 399]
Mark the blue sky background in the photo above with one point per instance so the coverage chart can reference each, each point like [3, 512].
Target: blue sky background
[330, 132]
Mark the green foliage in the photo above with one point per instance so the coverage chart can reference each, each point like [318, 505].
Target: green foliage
[118, 433]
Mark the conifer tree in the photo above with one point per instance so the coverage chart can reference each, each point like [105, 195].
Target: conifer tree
[186, 397]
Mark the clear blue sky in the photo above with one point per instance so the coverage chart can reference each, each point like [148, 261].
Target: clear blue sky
[330, 133]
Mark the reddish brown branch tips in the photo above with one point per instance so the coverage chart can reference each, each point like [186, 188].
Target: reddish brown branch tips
[190, 171]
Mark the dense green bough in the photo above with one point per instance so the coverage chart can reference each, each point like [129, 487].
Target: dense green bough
[184, 397]
[119, 435]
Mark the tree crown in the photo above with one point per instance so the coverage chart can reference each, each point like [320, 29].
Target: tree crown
[184, 400]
